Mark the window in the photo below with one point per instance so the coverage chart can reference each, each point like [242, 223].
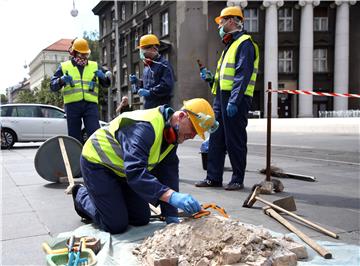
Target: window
[147, 2]
[137, 69]
[251, 23]
[136, 39]
[165, 24]
[285, 61]
[148, 28]
[112, 50]
[26, 111]
[103, 26]
[320, 19]
[123, 46]
[165, 55]
[134, 7]
[124, 76]
[4, 111]
[51, 113]
[112, 19]
[320, 60]
[123, 12]
[104, 55]
[285, 19]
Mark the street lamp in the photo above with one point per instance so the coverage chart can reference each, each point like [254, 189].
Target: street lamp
[74, 12]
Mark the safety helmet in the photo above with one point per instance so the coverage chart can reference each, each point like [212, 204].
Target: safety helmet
[231, 11]
[81, 45]
[201, 116]
[148, 40]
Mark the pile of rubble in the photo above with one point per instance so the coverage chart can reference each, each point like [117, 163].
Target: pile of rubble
[216, 240]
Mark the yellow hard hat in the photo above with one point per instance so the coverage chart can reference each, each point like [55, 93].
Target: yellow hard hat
[231, 11]
[81, 45]
[201, 116]
[147, 40]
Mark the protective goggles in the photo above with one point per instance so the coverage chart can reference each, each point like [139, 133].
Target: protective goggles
[205, 121]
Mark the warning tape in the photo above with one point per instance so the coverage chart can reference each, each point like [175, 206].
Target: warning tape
[331, 94]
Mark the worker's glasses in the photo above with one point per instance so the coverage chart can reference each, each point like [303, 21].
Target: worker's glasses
[206, 121]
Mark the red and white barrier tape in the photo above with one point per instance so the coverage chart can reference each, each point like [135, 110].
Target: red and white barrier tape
[332, 94]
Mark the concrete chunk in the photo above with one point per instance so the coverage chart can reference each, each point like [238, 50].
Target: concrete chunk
[283, 257]
[156, 261]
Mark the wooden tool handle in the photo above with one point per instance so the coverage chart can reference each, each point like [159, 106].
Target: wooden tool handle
[322, 229]
[319, 249]
[67, 166]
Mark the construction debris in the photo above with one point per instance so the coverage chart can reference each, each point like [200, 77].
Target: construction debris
[215, 240]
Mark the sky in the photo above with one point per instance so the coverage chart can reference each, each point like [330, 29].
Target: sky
[29, 26]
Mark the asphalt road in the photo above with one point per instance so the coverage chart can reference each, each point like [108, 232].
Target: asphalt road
[33, 210]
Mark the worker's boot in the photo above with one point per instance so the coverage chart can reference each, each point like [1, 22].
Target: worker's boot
[234, 186]
[208, 183]
[84, 216]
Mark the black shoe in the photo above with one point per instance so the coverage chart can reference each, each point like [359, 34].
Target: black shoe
[208, 183]
[74, 192]
[234, 186]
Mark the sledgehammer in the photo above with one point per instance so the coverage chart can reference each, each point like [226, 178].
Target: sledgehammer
[250, 200]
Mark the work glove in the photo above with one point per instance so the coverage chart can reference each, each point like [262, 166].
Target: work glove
[231, 109]
[133, 79]
[99, 74]
[172, 220]
[143, 92]
[67, 79]
[185, 202]
[206, 75]
[108, 74]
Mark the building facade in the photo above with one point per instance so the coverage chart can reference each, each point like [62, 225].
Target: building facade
[304, 45]
[47, 61]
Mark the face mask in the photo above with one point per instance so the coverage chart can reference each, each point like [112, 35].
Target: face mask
[221, 30]
[142, 54]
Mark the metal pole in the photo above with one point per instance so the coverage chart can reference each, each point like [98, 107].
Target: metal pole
[268, 134]
[117, 53]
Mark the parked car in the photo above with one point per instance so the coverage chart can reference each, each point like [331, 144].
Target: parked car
[32, 122]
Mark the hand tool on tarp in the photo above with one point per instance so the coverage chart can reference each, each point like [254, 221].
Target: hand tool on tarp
[253, 197]
[313, 244]
[203, 212]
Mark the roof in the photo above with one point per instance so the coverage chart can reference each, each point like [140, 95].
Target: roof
[60, 45]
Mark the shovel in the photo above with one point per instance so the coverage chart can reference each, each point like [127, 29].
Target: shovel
[287, 203]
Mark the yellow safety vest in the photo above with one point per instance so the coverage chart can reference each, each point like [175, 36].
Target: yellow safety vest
[225, 70]
[103, 147]
[80, 91]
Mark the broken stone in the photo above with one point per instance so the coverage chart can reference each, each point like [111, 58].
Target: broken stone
[297, 248]
[231, 255]
[203, 262]
[283, 257]
[277, 185]
[266, 187]
[154, 261]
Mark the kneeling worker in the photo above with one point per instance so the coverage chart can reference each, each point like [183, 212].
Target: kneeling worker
[133, 162]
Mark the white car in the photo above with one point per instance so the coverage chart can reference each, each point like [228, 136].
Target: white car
[32, 122]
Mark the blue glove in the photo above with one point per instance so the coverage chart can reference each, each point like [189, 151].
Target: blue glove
[99, 74]
[185, 202]
[67, 79]
[206, 75]
[143, 92]
[172, 220]
[133, 79]
[231, 109]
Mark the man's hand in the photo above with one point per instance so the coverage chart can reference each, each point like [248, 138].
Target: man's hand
[172, 220]
[143, 92]
[206, 75]
[185, 202]
[67, 79]
[133, 79]
[231, 109]
[99, 74]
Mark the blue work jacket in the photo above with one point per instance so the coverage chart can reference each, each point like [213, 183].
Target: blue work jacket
[136, 141]
[158, 79]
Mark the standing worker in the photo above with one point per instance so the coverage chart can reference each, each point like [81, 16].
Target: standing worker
[158, 76]
[80, 79]
[233, 86]
[133, 162]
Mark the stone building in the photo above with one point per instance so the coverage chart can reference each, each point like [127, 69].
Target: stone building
[305, 45]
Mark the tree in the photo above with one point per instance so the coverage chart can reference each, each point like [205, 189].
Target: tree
[93, 39]
[3, 98]
[25, 96]
[46, 96]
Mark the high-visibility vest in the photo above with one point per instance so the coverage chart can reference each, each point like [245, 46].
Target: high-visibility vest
[225, 70]
[80, 91]
[103, 148]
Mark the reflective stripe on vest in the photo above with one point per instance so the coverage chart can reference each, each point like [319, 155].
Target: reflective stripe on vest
[103, 148]
[225, 70]
[80, 91]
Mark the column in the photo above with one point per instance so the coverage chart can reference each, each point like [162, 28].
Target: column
[341, 60]
[271, 53]
[306, 57]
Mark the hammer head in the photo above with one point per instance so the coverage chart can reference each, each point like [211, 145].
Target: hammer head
[250, 200]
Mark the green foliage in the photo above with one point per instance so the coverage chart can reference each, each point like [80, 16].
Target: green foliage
[3, 98]
[46, 96]
[25, 96]
[93, 39]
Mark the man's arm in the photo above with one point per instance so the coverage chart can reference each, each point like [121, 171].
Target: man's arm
[244, 66]
[136, 141]
[104, 82]
[56, 82]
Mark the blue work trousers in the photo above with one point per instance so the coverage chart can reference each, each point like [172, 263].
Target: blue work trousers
[78, 111]
[230, 137]
[109, 201]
